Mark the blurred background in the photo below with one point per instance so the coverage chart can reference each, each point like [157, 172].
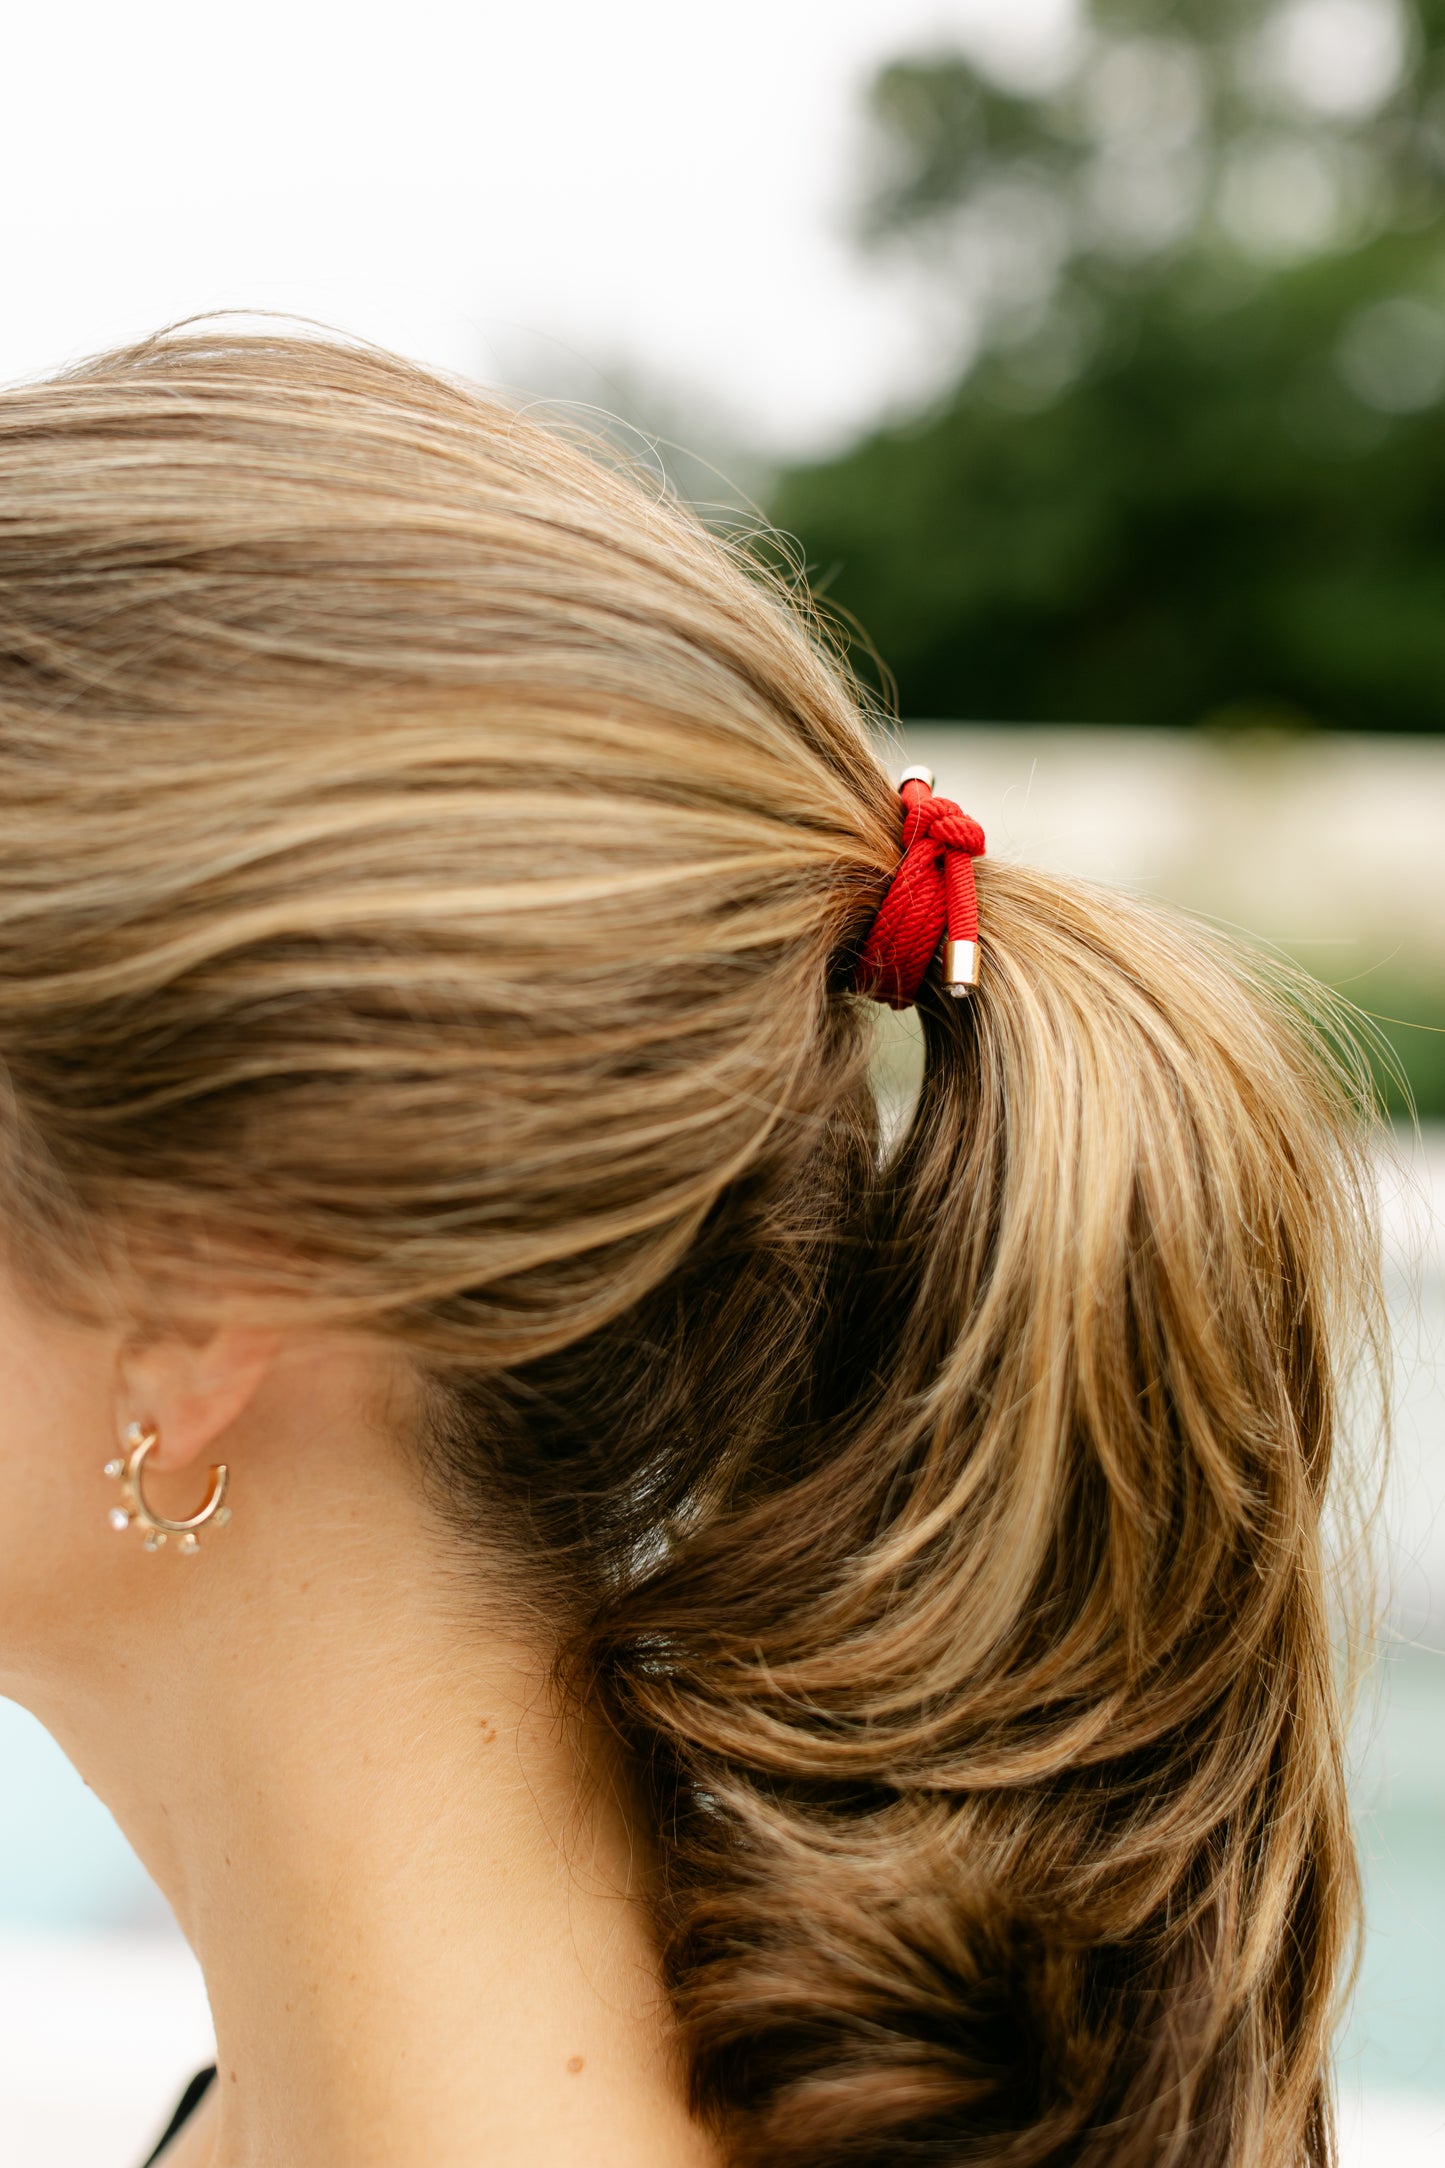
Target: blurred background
[1090, 357]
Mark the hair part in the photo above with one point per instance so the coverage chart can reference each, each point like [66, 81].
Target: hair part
[430, 870]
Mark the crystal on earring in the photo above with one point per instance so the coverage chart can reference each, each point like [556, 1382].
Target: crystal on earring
[133, 1434]
[221, 1515]
[189, 1545]
[119, 1519]
[115, 1467]
[155, 1537]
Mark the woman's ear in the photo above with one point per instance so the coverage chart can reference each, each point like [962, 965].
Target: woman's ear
[191, 1389]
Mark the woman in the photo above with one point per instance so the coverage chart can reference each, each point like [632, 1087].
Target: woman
[735, 1641]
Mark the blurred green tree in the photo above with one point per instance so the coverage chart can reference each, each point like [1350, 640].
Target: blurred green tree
[1193, 462]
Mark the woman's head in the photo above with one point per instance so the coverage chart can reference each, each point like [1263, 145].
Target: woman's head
[429, 877]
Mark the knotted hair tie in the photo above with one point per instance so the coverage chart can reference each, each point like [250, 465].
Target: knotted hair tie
[931, 898]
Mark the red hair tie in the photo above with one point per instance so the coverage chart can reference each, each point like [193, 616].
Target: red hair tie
[931, 898]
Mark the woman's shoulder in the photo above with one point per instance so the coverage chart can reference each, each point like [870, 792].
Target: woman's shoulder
[189, 2101]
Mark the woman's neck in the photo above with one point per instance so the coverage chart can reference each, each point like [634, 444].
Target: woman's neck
[415, 1903]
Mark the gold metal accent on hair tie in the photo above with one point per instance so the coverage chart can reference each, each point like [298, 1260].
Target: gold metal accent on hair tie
[960, 967]
[127, 1473]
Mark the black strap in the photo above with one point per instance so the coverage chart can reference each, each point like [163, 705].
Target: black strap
[190, 2100]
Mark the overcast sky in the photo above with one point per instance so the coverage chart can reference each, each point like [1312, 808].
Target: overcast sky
[523, 192]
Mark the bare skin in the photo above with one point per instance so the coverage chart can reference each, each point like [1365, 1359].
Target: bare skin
[409, 1881]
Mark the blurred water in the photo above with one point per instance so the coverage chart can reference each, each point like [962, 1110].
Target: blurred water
[1397, 2034]
[63, 1862]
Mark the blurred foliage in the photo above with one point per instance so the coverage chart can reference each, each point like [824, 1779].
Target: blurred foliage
[1406, 1036]
[1193, 465]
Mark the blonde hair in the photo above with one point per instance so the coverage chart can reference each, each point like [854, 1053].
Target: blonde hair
[428, 880]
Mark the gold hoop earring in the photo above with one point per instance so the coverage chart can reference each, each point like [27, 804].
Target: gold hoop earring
[127, 1473]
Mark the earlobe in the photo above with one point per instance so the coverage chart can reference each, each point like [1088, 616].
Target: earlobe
[191, 1391]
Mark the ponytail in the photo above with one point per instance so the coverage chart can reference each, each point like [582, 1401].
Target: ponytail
[989, 1718]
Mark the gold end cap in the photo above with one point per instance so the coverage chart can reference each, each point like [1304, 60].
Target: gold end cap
[960, 967]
